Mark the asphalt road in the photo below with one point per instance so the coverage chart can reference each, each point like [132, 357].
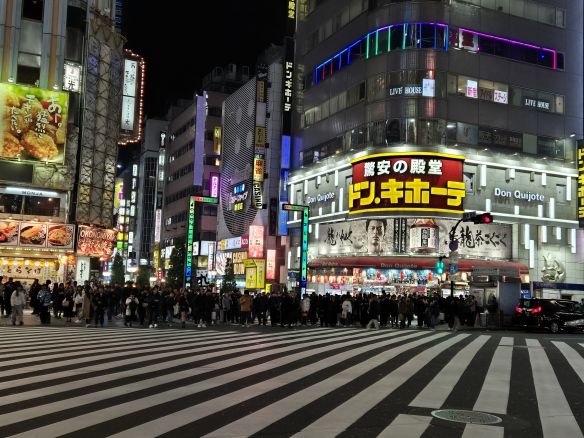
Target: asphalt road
[230, 381]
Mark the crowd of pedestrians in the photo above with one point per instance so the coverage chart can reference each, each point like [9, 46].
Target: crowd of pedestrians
[95, 304]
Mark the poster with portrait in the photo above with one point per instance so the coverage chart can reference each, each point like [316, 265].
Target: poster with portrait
[33, 123]
[390, 236]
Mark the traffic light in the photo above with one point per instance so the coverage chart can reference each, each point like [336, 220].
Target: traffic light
[485, 218]
[472, 216]
[440, 266]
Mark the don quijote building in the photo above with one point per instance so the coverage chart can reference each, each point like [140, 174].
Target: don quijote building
[409, 114]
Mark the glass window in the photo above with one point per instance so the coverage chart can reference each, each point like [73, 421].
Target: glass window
[334, 105]
[530, 10]
[560, 17]
[559, 104]
[547, 14]
[33, 9]
[10, 204]
[41, 206]
[503, 5]
[516, 8]
[396, 35]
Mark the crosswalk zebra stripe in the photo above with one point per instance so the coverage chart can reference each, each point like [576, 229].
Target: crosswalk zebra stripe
[406, 426]
[188, 415]
[24, 414]
[573, 357]
[95, 417]
[483, 431]
[494, 394]
[91, 349]
[555, 414]
[351, 410]
[104, 365]
[166, 346]
[262, 418]
[112, 342]
[436, 392]
[21, 396]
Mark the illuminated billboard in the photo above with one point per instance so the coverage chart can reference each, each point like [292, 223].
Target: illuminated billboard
[403, 183]
[256, 242]
[33, 124]
[132, 117]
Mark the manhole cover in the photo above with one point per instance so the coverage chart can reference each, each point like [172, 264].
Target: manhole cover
[468, 417]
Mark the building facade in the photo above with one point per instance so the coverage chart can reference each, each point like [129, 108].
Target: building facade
[409, 114]
[248, 232]
[61, 76]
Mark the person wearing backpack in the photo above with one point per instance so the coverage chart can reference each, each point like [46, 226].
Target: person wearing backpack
[44, 301]
[131, 308]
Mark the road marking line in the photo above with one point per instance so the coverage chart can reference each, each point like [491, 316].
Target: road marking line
[483, 431]
[437, 391]
[557, 419]
[494, 395]
[406, 426]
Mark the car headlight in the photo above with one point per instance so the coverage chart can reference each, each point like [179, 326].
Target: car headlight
[575, 323]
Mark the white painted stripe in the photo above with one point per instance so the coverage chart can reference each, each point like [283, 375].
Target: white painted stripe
[128, 344]
[494, 395]
[64, 387]
[262, 418]
[405, 426]
[573, 357]
[507, 341]
[107, 414]
[351, 410]
[557, 419]
[168, 345]
[46, 378]
[483, 431]
[437, 391]
[193, 413]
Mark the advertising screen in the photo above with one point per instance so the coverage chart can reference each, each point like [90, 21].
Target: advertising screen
[33, 124]
[36, 235]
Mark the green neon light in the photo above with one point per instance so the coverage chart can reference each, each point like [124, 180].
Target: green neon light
[389, 39]
[190, 238]
[367, 50]
[376, 43]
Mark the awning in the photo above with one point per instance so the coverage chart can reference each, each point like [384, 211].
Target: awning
[416, 263]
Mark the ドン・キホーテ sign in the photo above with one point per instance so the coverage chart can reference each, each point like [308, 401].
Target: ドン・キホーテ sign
[407, 182]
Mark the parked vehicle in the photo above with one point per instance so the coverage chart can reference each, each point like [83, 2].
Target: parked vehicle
[550, 314]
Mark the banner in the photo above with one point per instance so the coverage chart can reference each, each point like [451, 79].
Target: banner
[95, 242]
[411, 236]
[33, 123]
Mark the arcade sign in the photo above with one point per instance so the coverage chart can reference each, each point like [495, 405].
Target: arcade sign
[401, 183]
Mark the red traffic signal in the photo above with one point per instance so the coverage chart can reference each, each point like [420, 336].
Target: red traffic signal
[485, 218]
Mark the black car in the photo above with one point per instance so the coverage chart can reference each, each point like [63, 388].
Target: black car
[553, 315]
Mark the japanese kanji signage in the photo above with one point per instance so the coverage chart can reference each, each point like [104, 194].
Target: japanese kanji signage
[581, 184]
[425, 182]
[35, 123]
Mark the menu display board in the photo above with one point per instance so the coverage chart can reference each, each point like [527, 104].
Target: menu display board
[36, 235]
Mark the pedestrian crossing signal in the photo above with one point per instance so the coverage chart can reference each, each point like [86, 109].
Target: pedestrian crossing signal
[440, 267]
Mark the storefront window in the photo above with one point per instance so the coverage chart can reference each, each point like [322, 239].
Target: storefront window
[40, 206]
[10, 204]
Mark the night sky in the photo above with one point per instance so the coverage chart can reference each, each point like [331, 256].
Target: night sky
[183, 40]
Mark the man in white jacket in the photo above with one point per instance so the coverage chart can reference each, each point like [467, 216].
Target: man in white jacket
[305, 308]
[17, 301]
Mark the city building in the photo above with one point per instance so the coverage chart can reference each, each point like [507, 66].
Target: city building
[61, 79]
[193, 150]
[409, 114]
[248, 226]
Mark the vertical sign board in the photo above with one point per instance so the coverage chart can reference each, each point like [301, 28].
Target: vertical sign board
[199, 149]
[304, 250]
[191, 233]
[260, 140]
[580, 193]
[189, 252]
